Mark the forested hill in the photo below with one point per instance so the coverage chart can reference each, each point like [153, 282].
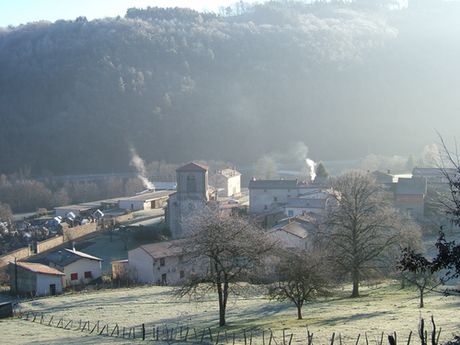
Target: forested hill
[177, 85]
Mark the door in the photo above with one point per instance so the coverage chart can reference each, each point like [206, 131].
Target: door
[52, 289]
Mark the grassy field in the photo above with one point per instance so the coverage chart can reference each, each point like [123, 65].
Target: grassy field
[382, 308]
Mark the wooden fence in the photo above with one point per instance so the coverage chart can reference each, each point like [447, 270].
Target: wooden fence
[185, 334]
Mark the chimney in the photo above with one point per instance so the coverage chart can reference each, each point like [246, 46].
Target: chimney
[60, 256]
[73, 245]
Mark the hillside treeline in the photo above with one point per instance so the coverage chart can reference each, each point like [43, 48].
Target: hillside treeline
[345, 79]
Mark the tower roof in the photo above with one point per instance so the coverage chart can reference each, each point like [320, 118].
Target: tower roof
[192, 166]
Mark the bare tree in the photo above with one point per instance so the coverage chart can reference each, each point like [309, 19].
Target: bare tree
[232, 246]
[423, 279]
[6, 214]
[360, 228]
[447, 259]
[301, 278]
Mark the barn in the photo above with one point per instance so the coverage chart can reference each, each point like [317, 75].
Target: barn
[27, 278]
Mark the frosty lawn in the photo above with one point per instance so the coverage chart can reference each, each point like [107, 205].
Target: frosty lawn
[383, 308]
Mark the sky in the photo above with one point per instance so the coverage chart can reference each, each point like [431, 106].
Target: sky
[16, 12]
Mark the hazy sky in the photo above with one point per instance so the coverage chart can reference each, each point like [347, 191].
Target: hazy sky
[15, 12]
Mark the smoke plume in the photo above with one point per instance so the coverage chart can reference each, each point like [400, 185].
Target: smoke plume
[312, 167]
[138, 163]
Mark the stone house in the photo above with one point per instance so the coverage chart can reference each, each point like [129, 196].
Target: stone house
[162, 263]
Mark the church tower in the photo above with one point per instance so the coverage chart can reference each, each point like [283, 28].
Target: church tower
[191, 195]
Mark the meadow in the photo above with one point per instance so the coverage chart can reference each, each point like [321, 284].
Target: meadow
[383, 308]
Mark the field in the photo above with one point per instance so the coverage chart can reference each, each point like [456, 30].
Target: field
[382, 308]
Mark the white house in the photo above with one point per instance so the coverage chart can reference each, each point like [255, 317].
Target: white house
[79, 268]
[34, 278]
[227, 182]
[162, 263]
[268, 195]
[144, 201]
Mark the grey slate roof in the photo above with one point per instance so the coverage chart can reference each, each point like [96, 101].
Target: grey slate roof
[273, 184]
[192, 166]
[67, 256]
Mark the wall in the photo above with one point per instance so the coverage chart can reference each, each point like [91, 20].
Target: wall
[261, 200]
[43, 284]
[78, 231]
[19, 254]
[50, 243]
[69, 235]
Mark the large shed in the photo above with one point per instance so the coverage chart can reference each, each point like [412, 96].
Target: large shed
[28, 278]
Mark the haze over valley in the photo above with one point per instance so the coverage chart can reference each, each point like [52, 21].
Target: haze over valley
[345, 80]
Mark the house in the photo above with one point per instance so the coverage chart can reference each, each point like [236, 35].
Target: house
[384, 179]
[227, 182]
[79, 268]
[269, 195]
[298, 232]
[35, 279]
[144, 201]
[409, 195]
[192, 194]
[162, 263]
[309, 200]
[435, 175]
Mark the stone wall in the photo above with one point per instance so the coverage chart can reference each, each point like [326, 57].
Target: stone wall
[19, 254]
[50, 243]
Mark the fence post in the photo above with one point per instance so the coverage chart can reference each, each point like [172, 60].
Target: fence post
[332, 339]
[143, 331]
[217, 337]
[68, 323]
[408, 339]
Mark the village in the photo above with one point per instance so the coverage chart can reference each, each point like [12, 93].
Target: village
[289, 210]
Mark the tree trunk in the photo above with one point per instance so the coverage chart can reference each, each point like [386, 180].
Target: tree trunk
[355, 278]
[220, 294]
[421, 299]
[222, 291]
[299, 312]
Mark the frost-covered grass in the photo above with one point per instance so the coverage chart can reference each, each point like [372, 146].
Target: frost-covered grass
[382, 308]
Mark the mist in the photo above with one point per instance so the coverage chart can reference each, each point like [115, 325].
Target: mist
[347, 80]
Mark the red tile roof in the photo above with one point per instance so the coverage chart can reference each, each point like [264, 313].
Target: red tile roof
[39, 268]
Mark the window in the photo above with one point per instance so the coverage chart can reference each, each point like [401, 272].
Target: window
[181, 274]
[275, 198]
[191, 184]
[162, 261]
[290, 213]
[181, 258]
[74, 276]
[88, 275]
[265, 207]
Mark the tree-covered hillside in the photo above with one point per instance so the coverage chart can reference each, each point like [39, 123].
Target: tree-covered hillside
[345, 79]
